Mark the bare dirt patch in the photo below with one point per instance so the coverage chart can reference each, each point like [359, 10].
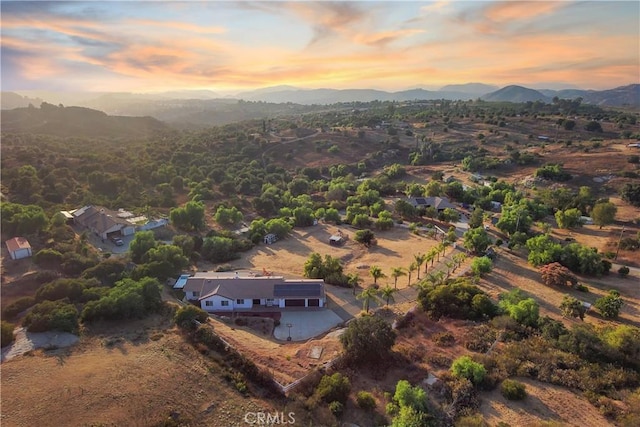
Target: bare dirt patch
[544, 402]
[135, 375]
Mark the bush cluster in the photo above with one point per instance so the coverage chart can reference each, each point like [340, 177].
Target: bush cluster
[513, 390]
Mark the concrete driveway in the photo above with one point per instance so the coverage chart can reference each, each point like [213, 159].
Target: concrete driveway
[305, 324]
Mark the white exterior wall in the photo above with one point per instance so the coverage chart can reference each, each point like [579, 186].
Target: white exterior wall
[248, 303]
[193, 295]
[216, 304]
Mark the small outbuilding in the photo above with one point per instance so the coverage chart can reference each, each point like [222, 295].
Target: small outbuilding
[336, 240]
[19, 248]
[270, 239]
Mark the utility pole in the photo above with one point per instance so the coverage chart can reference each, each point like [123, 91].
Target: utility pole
[619, 241]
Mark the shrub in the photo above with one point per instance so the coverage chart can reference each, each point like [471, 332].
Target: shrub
[465, 367]
[623, 271]
[185, 317]
[365, 400]
[6, 336]
[17, 307]
[368, 339]
[52, 315]
[513, 390]
[334, 388]
[481, 265]
[444, 339]
[336, 408]
[610, 304]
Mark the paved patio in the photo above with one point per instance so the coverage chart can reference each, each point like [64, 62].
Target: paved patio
[305, 324]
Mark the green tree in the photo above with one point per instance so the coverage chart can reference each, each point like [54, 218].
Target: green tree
[404, 209]
[523, 310]
[376, 273]
[395, 273]
[188, 217]
[19, 220]
[6, 336]
[569, 218]
[610, 304]
[365, 237]
[412, 267]
[386, 293]
[604, 213]
[543, 250]
[367, 295]
[142, 242]
[368, 339]
[334, 388]
[52, 315]
[481, 265]
[218, 249]
[187, 316]
[465, 367]
[571, 307]
[353, 280]
[228, 217]
[476, 240]
[419, 259]
[476, 218]
[170, 254]
[408, 396]
[279, 227]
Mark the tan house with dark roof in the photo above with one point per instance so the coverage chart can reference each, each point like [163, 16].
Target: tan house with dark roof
[103, 222]
[229, 292]
[439, 203]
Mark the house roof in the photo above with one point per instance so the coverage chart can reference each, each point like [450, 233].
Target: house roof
[99, 219]
[439, 203]
[254, 287]
[17, 243]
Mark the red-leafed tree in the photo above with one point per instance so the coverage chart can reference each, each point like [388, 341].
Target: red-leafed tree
[555, 274]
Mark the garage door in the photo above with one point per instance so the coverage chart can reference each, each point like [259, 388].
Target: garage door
[314, 302]
[294, 303]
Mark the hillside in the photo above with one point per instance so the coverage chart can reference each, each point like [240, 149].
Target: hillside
[76, 122]
[515, 93]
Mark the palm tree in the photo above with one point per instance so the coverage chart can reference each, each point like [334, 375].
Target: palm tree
[450, 265]
[395, 273]
[428, 258]
[376, 273]
[387, 294]
[366, 296]
[458, 259]
[444, 245]
[437, 278]
[419, 259]
[353, 280]
[411, 269]
[433, 252]
[438, 249]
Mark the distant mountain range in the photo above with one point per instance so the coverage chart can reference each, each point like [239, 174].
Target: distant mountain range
[198, 108]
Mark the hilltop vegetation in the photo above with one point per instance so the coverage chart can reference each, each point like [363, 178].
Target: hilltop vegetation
[354, 164]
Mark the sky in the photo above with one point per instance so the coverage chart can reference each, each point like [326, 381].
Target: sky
[226, 46]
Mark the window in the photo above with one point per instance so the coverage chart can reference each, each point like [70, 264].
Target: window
[224, 303]
[208, 303]
[240, 301]
[196, 294]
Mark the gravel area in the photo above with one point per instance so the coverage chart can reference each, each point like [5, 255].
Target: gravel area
[27, 341]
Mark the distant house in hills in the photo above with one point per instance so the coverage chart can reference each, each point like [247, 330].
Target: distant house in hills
[18, 248]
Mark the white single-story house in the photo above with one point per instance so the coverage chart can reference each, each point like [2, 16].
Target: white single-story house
[224, 292]
[439, 203]
[19, 248]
